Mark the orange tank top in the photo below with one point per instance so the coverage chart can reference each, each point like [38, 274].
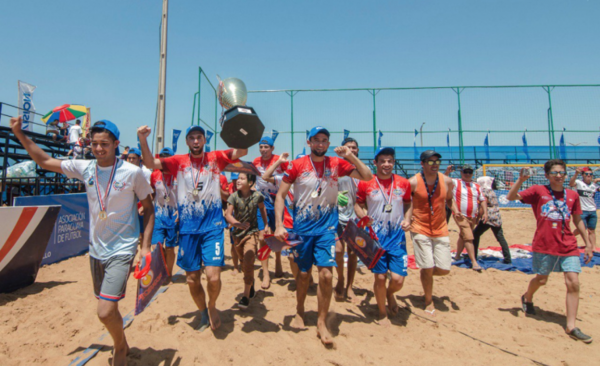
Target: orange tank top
[424, 222]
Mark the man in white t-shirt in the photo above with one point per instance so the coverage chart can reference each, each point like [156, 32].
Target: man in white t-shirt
[75, 133]
[113, 188]
[587, 189]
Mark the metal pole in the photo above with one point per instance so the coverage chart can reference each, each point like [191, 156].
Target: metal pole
[199, 94]
[374, 123]
[292, 122]
[160, 124]
[194, 109]
[461, 152]
[421, 133]
[551, 140]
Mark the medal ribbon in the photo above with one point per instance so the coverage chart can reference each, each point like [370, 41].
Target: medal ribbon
[388, 200]
[167, 190]
[319, 179]
[101, 201]
[556, 202]
[430, 194]
[196, 177]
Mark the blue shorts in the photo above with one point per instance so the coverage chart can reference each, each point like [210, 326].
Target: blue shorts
[544, 264]
[270, 220]
[166, 236]
[198, 249]
[316, 250]
[394, 262]
[590, 218]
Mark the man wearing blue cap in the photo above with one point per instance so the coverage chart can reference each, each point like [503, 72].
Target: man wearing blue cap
[315, 179]
[201, 218]
[112, 187]
[134, 156]
[165, 211]
[268, 190]
[386, 201]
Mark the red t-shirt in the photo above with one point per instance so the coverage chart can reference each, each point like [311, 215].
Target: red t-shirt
[551, 235]
[224, 184]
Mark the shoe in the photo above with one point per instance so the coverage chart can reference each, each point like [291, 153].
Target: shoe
[244, 302]
[527, 306]
[252, 292]
[578, 335]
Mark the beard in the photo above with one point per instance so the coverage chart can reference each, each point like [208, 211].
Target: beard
[197, 151]
[319, 154]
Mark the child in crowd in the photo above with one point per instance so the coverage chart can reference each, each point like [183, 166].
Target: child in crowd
[242, 208]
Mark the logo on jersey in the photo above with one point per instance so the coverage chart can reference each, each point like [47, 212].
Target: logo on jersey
[91, 181]
[118, 185]
[360, 242]
[147, 280]
[399, 192]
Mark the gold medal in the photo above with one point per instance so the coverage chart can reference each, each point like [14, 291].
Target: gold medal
[315, 194]
[195, 192]
[388, 208]
[102, 215]
[167, 199]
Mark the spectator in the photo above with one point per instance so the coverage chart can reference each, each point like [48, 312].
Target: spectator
[587, 189]
[494, 221]
[75, 133]
[125, 153]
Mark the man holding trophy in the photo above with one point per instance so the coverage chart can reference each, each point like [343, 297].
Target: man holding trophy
[201, 218]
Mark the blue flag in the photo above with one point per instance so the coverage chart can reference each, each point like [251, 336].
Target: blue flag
[346, 134]
[448, 144]
[525, 148]
[307, 132]
[415, 145]
[274, 134]
[563, 147]
[599, 139]
[209, 135]
[176, 134]
[486, 143]
[379, 139]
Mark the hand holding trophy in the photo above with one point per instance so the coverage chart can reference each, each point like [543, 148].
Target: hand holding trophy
[240, 126]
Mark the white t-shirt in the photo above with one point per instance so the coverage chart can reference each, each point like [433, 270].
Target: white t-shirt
[147, 173]
[119, 233]
[586, 195]
[74, 134]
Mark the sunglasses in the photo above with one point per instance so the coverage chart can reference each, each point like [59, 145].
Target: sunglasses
[432, 162]
[563, 173]
[467, 172]
[588, 174]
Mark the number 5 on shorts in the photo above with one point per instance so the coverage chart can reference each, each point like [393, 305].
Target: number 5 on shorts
[217, 249]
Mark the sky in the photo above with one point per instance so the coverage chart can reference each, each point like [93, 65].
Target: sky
[104, 54]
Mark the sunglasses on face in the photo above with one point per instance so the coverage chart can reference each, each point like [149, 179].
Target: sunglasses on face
[563, 173]
[432, 162]
[588, 174]
[467, 172]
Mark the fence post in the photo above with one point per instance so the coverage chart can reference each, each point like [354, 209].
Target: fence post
[551, 140]
[199, 88]
[374, 93]
[194, 109]
[461, 152]
[291, 94]
[216, 107]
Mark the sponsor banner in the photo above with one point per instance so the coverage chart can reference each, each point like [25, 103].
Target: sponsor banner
[24, 234]
[176, 134]
[152, 281]
[242, 167]
[26, 104]
[71, 232]
[368, 250]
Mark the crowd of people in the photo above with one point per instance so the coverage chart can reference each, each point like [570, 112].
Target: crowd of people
[185, 203]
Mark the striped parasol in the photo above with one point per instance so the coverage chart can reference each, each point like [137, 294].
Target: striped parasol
[64, 113]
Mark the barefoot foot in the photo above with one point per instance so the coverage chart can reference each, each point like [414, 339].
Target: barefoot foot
[383, 320]
[298, 321]
[324, 335]
[120, 355]
[215, 320]
[392, 305]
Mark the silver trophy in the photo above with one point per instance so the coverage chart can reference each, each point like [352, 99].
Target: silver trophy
[240, 126]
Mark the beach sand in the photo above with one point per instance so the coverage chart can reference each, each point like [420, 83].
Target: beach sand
[478, 316]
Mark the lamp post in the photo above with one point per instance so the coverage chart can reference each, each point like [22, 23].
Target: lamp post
[421, 133]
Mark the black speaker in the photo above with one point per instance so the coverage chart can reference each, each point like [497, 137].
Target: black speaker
[241, 127]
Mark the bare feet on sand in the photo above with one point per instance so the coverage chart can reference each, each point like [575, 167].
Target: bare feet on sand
[351, 296]
[338, 292]
[383, 320]
[430, 310]
[392, 305]
[266, 283]
[120, 355]
[215, 320]
[298, 321]
[323, 334]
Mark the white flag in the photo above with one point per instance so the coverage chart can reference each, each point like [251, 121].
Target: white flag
[26, 104]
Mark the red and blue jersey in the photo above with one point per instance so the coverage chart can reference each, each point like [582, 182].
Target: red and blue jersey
[268, 190]
[467, 195]
[202, 212]
[387, 225]
[316, 215]
[165, 199]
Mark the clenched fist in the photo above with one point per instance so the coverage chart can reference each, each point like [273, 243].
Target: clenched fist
[16, 124]
[143, 132]
[343, 151]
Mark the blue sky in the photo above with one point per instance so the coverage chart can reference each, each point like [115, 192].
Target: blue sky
[104, 54]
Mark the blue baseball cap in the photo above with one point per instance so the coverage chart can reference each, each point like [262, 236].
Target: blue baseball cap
[267, 140]
[317, 130]
[110, 127]
[194, 128]
[167, 150]
[136, 151]
[234, 176]
[385, 151]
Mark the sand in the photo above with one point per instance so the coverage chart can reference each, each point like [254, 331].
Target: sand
[478, 316]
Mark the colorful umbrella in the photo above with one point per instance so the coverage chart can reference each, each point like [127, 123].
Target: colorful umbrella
[64, 113]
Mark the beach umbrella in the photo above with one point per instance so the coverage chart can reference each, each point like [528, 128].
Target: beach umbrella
[64, 113]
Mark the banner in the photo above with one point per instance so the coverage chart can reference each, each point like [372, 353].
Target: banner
[24, 233]
[87, 122]
[71, 232]
[274, 134]
[525, 148]
[379, 139]
[448, 144]
[26, 104]
[486, 143]
[366, 248]
[209, 135]
[415, 145]
[176, 134]
[151, 282]
[346, 134]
